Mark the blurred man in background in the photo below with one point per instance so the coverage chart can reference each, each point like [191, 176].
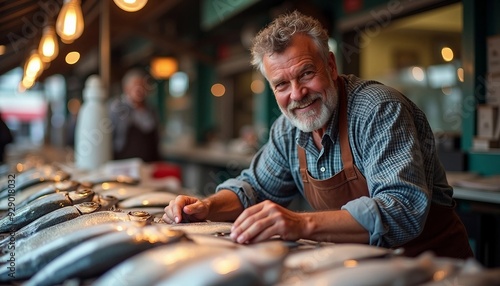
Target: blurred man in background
[136, 128]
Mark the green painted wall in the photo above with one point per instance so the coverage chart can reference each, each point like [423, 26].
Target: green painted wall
[480, 21]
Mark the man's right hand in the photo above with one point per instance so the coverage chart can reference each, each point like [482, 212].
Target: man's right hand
[185, 209]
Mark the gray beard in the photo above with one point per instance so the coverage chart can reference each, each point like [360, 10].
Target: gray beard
[314, 120]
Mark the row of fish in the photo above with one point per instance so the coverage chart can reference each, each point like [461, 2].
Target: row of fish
[105, 233]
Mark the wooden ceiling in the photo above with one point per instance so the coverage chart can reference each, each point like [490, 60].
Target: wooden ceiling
[162, 27]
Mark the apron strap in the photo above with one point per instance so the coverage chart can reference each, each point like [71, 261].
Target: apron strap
[302, 164]
[345, 148]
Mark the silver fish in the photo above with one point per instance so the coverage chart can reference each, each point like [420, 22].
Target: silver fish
[213, 228]
[123, 192]
[25, 174]
[21, 217]
[121, 179]
[216, 240]
[466, 276]
[59, 230]
[256, 264]
[154, 199]
[34, 179]
[97, 255]
[154, 211]
[28, 263]
[107, 202]
[378, 272]
[50, 219]
[19, 197]
[151, 265]
[27, 197]
[328, 257]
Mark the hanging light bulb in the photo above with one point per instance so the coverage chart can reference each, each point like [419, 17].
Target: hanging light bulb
[26, 83]
[131, 5]
[34, 66]
[69, 25]
[48, 48]
[163, 67]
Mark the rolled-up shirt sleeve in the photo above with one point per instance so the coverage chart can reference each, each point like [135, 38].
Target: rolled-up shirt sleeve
[393, 166]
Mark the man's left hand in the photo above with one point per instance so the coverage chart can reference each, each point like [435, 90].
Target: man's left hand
[265, 220]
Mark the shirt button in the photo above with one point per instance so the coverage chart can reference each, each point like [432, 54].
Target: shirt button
[322, 169]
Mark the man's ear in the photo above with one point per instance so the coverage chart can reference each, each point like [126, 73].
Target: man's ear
[332, 65]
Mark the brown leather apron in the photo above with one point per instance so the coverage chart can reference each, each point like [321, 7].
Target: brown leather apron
[444, 233]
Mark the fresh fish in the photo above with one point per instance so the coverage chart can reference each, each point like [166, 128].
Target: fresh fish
[213, 228]
[15, 198]
[121, 179]
[256, 264]
[107, 202]
[50, 219]
[464, 276]
[154, 199]
[151, 265]
[216, 240]
[27, 196]
[123, 192]
[33, 179]
[97, 255]
[18, 218]
[59, 230]
[328, 257]
[378, 272]
[30, 194]
[24, 174]
[30, 262]
[154, 211]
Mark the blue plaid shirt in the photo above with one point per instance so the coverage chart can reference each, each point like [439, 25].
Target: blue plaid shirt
[393, 147]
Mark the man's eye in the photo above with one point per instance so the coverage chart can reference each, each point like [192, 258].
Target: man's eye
[280, 86]
[307, 74]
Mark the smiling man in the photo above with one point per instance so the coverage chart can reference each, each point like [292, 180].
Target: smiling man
[361, 154]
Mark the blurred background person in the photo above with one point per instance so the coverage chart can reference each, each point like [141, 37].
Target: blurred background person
[136, 127]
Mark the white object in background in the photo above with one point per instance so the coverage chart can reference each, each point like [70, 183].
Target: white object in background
[93, 127]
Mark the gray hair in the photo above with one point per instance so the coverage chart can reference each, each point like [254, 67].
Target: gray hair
[277, 36]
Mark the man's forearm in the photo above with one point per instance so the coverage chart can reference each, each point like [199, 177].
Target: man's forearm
[223, 206]
[334, 226]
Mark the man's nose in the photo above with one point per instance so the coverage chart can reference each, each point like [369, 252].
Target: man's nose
[298, 91]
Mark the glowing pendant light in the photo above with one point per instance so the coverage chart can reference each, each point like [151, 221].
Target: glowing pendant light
[34, 66]
[131, 5]
[48, 48]
[69, 25]
[163, 67]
